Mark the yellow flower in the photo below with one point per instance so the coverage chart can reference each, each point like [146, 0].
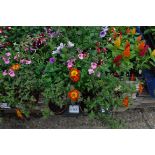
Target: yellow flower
[74, 72]
[153, 53]
[133, 31]
[117, 42]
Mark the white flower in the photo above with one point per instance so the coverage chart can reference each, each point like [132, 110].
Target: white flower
[55, 52]
[62, 45]
[70, 44]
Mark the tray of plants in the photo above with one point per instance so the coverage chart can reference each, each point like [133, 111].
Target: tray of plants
[71, 70]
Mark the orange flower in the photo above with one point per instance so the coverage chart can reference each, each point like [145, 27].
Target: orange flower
[74, 95]
[19, 114]
[126, 52]
[140, 88]
[15, 67]
[126, 101]
[141, 45]
[128, 30]
[74, 75]
[139, 38]
[74, 72]
[133, 31]
[117, 42]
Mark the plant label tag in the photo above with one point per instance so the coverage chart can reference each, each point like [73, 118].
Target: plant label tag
[74, 109]
[4, 106]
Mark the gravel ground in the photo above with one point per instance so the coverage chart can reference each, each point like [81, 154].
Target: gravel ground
[131, 119]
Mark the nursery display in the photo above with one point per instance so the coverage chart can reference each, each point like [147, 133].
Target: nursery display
[96, 68]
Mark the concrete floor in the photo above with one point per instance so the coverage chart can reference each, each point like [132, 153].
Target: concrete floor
[131, 119]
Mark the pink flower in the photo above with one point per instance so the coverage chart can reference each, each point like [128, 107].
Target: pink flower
[16, 57]
[6, 61]
[91, 71]
[28, 62]
[81, 56]
[22, 61]
[8, 54]
[93, 65]
[4, 73]
[70, 64]
[11, 73]
[104, 50]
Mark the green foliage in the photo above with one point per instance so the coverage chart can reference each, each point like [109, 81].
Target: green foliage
[32, 48]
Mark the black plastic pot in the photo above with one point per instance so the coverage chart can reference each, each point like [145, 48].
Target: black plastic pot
[57, 109]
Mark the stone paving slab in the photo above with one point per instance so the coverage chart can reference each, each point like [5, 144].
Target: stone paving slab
[131, 119]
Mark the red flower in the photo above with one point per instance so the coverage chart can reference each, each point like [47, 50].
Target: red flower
[132, 77]
[98, 50]
[117, 60]
[143, 51]
[75, 78]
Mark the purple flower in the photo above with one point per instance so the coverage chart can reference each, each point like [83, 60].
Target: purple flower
[103, 34]
[52, 60]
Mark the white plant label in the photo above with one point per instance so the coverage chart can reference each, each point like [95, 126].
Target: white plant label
[4, 106]
[74, 109]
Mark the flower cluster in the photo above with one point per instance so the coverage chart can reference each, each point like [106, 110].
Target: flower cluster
[61, 46]
[13, 67]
